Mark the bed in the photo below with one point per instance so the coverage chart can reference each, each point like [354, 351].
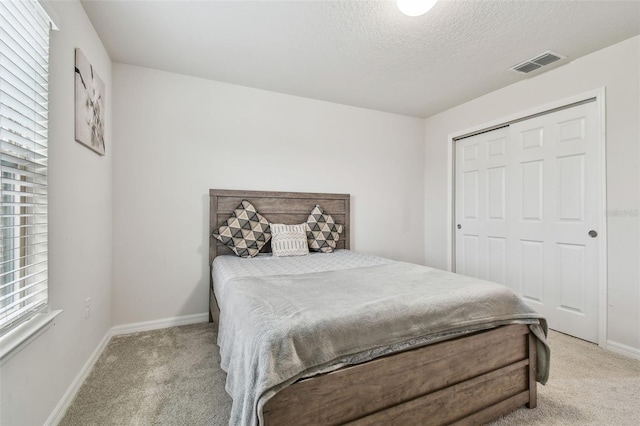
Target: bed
[465, 378]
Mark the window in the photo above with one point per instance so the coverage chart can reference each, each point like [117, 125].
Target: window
[24, 57]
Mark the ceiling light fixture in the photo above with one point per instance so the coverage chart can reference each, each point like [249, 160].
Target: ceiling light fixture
[415, 7]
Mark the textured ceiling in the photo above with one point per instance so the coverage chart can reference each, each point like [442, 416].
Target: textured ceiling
[359, 52]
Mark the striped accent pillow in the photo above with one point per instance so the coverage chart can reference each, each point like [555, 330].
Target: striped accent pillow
[289, 240]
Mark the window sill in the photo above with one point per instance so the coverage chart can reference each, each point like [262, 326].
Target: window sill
[13, 342]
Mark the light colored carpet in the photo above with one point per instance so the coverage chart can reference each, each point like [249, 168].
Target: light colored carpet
[172, 377]
[162, 377]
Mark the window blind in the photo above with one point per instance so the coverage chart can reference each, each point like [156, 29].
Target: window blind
[24, 72]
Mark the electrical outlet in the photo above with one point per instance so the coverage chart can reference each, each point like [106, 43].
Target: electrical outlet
[87, 308]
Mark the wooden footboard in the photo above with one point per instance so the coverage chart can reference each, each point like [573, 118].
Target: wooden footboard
[468, 380]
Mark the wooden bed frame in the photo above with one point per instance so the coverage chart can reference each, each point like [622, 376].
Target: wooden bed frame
[464, 381]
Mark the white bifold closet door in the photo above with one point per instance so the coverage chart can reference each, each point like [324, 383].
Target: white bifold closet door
[528, 207]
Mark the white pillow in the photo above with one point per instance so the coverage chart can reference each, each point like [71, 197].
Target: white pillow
[289, 240]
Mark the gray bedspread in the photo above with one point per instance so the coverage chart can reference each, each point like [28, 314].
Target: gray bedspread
[277, 329]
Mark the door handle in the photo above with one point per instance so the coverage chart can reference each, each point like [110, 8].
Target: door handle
[459, 226]
[593, 234]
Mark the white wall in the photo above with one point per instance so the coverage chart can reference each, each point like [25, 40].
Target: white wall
[178, 136]
[80, 245]
[617, 68]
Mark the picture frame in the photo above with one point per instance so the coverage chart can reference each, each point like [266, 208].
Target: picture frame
[89, 105]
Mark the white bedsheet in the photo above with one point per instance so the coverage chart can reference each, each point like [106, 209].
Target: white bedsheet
[231, 266]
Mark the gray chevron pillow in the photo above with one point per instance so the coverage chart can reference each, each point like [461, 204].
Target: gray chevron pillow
[245, 232]
[323, 232]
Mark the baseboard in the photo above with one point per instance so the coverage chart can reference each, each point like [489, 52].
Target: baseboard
[158, 324]
[60, 410]
[70, 394]
[625, 350]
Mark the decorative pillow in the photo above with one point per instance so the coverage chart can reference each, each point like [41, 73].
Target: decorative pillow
[245, 232]
[323, 232]
[289, 240]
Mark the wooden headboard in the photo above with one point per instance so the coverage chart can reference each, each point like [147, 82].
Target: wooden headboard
[278, 207]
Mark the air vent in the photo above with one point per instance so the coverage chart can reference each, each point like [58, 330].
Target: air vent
[537, 62]
[527, 67]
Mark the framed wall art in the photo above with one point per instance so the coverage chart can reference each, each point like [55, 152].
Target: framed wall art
[90, 93]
